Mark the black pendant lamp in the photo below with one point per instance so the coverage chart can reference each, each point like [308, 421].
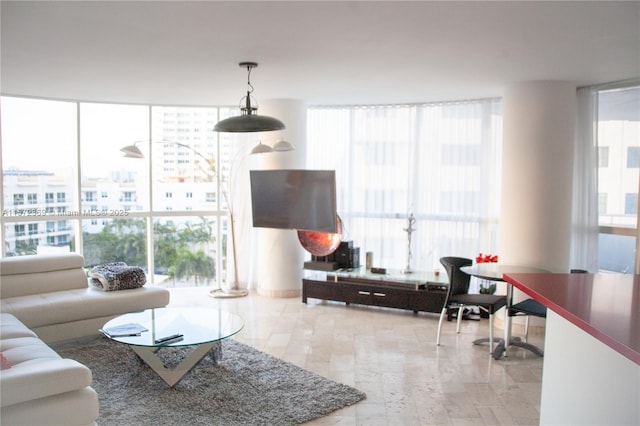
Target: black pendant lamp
[249, 121]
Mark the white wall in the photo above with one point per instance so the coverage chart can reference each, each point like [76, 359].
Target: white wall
[537, 164]
[279, 254]
[537, 177]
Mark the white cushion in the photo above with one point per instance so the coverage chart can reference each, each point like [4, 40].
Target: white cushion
[76, 305]
[11, 327]
[23, 351]
[28, 275]
[37, 371]
[40, 263]
[41, 388]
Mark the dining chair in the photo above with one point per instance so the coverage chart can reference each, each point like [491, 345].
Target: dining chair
[458, 296]
[531, 308]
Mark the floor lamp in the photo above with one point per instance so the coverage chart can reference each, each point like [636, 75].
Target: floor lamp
[132, 151]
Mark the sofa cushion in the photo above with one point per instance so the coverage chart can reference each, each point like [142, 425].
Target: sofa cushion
[38, 371]
[76, 305]
[24, 351]
[36, 274]
[41, 263]
[11, 327]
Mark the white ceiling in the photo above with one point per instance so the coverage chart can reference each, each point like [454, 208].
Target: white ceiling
[327, 52]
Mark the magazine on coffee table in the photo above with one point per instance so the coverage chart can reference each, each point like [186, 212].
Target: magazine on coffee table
[130, 329]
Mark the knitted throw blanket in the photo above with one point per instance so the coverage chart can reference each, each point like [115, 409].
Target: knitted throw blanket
[116, 276]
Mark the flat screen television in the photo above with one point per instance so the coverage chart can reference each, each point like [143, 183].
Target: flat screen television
[294, 199]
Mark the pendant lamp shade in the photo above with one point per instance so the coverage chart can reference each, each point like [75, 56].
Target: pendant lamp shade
[261, 149]
[282, 146]
[249, 121]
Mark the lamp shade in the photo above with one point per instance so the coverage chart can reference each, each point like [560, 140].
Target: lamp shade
[261, 149]
[132, 151]
[282, 146]
[249, 123]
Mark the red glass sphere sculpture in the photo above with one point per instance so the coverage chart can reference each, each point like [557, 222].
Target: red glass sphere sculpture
[321, 243]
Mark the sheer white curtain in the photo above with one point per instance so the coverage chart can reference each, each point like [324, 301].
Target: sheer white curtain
[584, 244]
[439, 162]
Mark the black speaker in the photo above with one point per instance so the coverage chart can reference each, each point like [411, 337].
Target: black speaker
[341, 255]
[347, 256]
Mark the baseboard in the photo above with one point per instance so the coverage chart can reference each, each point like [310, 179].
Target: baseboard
[279, 293]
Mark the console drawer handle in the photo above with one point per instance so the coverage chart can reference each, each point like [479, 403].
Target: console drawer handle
[364, 293]
[379, 294]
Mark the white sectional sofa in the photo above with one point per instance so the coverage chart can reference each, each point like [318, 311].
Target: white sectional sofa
[40, 387]
[47, 299]
[51, 296]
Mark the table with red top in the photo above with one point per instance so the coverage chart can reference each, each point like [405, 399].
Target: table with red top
[591, 372]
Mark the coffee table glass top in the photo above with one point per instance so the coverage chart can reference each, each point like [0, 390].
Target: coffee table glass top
[197, 326]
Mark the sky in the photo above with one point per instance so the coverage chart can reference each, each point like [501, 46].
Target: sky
[39, 135]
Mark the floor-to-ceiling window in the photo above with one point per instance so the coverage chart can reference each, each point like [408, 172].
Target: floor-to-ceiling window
[67, 186]
[437, 162]
[39, 175]
[618, 142]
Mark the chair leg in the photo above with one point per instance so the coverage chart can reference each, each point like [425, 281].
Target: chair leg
[442, 315]
[490, 333]
[460, 312]
[526, 329]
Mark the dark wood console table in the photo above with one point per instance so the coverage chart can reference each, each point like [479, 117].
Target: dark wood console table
[417, 291]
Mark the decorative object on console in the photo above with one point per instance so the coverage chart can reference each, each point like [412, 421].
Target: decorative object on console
[486, 286]
[249, 121]
[321, 244]
[411, 221]
[369, 260]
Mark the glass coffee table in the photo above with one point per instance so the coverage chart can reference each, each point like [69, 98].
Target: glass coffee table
[152, 330]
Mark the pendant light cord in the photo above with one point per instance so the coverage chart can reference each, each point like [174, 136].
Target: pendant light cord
[249, 67]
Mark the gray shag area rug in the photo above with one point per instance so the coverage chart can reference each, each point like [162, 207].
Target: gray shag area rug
[245, 387]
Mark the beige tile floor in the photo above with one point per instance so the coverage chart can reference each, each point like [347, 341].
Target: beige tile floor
[392, 356]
